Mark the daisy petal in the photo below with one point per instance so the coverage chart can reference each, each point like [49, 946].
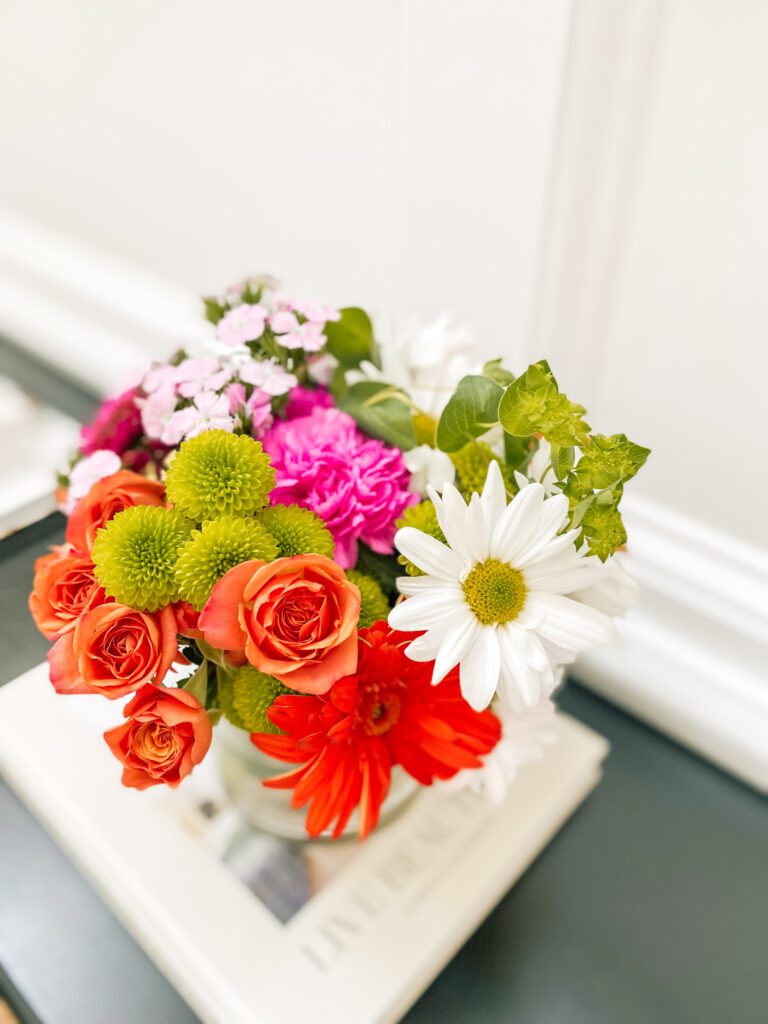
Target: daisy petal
[570, 624]
[409, 585]
[477, 534]
[426, 610]
[494, 497]
[518, 524]
[451, 512]
[455, 645]
[563, 573]
[518, 649]
[553, 514]
[480, 667]
[428, 554]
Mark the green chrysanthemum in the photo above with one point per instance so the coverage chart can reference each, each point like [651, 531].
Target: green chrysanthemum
[421, 517]
[253, 693]
[297, 531]
[227, 699]
[135, 556]
[219, 474]
[471, 463]
[373, 603]
[218, 546]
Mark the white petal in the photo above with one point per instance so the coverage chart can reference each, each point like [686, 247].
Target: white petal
[419, 584]
[426, 610]
[494, 497]
[455, 645]
[562, 542]
[553, 514]
[424, 648]
[480, 667]
[517, 526]
[451, 512]
[520, 657]
[562, 573]
[570, 624]
[428, 554]
[478, 537]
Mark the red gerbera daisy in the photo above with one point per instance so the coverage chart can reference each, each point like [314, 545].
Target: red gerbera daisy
[347, 740]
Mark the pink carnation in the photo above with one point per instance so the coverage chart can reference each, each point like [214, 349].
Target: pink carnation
[357, 485]
[302, 401]
[115, 427]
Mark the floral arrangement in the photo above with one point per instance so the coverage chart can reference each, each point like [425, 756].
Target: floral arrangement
[364, 556]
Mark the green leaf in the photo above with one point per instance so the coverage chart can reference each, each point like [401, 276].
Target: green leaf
[517, 452]
[471, 410]
[382, 410]
[350, 339]
[563, 459]
[533, 404]
[494, 371]
[609, 461]
[197, 684]
[214, 310]
[212, 654]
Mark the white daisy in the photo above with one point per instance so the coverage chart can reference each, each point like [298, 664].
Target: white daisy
[524, 734]
[492, 599]
[614, 591]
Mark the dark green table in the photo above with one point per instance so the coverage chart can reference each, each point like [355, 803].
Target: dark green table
[651, 905]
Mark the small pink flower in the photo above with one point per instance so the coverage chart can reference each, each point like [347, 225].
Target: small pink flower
[236, 395]
[261, 417]
[283, 321]
[268, 376]
[157, 410]
[179, 425]
[211, 412]
[196, 375]
[317, 312]
[89, 471]
[159, 378]
[241, 324]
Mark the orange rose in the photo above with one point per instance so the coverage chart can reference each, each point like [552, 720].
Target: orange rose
[105, 499]
[167, 733]
[186, 620]
[114, 650]
[294, 618]
[64, 588]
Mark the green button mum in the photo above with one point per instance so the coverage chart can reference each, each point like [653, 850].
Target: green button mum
[373, 603]
[297, 531]
[135, 556]
[253, 693]
[219, 474]
[218, 546]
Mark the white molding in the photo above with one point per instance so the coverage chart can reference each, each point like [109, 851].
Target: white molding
[692, 655]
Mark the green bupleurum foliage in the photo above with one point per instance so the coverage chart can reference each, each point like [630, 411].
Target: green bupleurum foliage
[219, 474]
[421, 517]
[603, 528]
[297, 531]
[533, 404]
[373, 602]
[135, 556]
[253, 694]
[471, 464]
[215, 548]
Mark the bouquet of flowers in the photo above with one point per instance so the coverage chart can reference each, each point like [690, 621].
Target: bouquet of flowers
[363, 556]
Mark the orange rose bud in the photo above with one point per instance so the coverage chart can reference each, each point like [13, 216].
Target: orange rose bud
[105, 499]
[294, 618]
[168, 732]
[186, 620]
[113, 650]
[64, 588]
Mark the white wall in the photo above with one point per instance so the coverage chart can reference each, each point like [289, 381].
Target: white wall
[386, 153]
[654, 303]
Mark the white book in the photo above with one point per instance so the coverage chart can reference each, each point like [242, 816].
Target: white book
[250, 928]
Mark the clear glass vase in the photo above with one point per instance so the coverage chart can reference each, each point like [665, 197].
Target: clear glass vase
[243, 769]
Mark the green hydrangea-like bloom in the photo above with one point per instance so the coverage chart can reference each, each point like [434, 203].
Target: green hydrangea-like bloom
[218, 546]
[253, 693]
[297, 531]
[471, 463]
[373, 603]
[219, 474]
[421, 517]
[135, 556]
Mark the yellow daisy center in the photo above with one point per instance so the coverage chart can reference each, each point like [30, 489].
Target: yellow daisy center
[495, 592]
